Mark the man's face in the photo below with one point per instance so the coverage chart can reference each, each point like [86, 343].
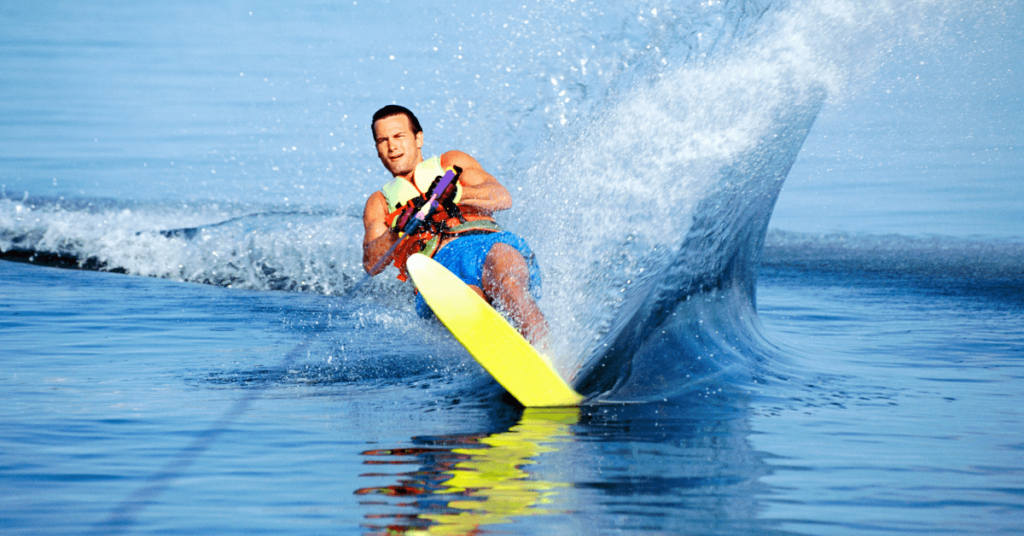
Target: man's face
[397, 147]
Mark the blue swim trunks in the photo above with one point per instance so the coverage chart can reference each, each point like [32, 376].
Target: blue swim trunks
[465, 257]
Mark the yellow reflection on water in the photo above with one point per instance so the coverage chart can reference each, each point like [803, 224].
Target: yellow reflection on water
[479, 481]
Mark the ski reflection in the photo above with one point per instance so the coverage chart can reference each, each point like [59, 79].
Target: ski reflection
[466, 482]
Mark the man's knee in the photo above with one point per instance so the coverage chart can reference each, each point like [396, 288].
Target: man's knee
[504, 260]
[505, 269]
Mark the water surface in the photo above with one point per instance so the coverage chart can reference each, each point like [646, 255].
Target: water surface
[781, 245]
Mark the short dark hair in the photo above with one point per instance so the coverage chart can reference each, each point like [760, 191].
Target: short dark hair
[394, 109]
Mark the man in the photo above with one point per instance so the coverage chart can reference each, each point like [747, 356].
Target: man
[498, 265]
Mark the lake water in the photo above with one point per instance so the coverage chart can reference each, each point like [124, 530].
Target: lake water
[782, 243]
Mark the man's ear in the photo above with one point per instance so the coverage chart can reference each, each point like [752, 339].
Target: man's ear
[419, 140]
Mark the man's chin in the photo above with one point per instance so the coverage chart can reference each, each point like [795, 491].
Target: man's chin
[396, 171]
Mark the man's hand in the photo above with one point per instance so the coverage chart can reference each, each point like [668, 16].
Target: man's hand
[408, 213]
[446, 196]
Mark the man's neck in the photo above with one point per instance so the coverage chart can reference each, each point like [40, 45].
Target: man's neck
[410, 175]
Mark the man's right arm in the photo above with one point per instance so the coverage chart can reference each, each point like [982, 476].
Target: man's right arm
[378, 238]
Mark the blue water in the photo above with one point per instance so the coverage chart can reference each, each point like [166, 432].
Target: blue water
[782, 242]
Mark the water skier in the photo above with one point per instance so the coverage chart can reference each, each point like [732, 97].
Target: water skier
[462, 235]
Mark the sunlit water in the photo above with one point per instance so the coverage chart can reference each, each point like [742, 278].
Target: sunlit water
[854, 369]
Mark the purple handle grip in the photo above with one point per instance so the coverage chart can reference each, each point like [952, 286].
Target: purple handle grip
[431, 205]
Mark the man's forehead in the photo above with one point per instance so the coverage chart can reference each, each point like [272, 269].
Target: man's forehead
[393, 123]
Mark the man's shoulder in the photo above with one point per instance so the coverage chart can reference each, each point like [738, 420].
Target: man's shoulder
[376, 201]
[457, 158]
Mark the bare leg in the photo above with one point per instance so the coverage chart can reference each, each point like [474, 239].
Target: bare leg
[506, 281]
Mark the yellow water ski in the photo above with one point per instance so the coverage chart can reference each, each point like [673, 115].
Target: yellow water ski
[489, 338]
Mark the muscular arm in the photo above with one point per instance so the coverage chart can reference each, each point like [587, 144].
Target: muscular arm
[480, 189]
[377, 238]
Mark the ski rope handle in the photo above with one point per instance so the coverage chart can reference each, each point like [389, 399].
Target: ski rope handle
[430, 206]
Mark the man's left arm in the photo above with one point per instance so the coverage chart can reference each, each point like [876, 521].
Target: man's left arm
[480, 190]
